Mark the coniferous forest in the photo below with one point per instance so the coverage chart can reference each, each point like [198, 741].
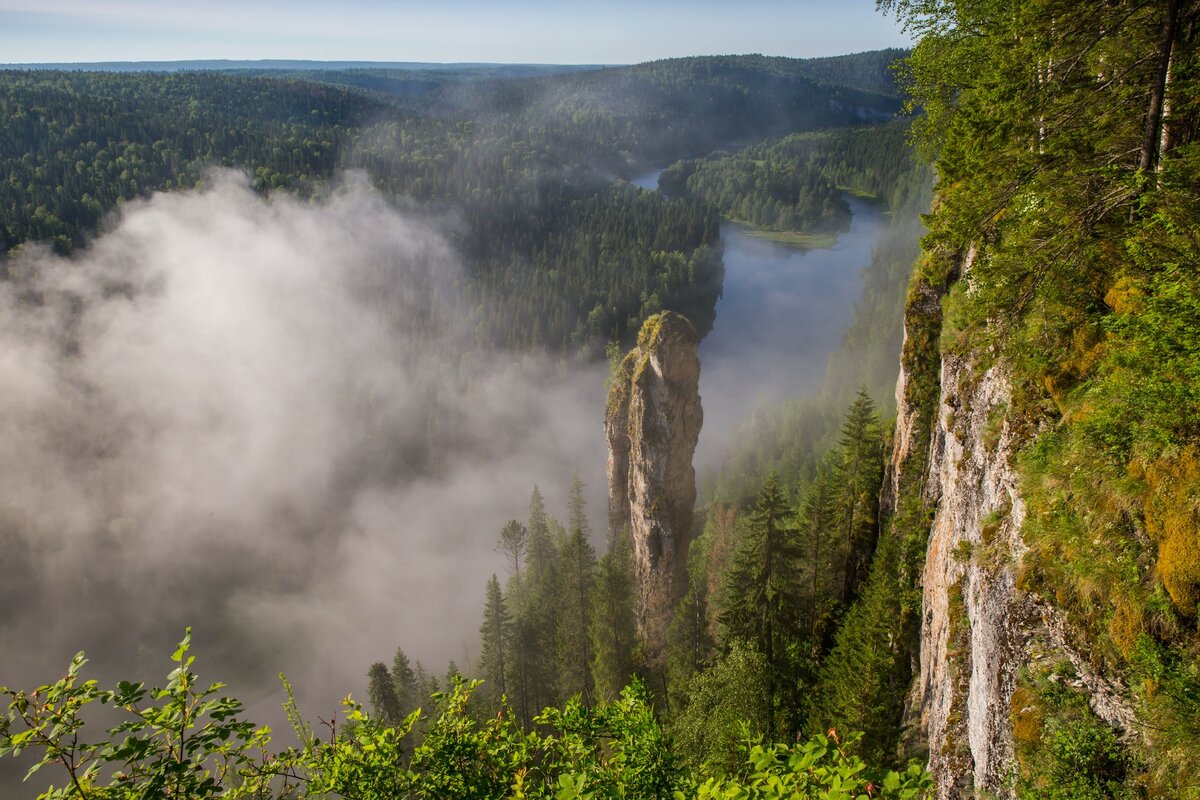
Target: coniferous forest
[964, 566]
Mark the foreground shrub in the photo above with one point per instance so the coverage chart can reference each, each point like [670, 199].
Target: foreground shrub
[186, 741]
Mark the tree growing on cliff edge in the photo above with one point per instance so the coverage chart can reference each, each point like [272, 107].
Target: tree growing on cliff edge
[1066, 229]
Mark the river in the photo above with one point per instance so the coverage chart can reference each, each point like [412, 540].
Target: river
[782, 313]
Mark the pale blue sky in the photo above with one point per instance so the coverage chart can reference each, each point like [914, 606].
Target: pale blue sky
[514, 31]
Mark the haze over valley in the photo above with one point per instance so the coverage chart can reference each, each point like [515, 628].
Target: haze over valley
[597, 414]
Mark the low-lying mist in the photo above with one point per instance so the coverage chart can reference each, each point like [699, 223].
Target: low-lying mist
[263, 418]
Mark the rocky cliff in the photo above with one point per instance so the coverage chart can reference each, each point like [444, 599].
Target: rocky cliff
[652, 424]
[978, 631]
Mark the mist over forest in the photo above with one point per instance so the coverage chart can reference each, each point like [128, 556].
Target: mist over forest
[260, 417]
[720, 426]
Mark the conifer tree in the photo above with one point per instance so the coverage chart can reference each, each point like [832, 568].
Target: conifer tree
[612, 629]
[761, 592]
[540, 550]
[514, 539]
[408, 690]
[573, 646]
[818, 522]
[495, 640]
[859, 473]
[690, 646]
[381, 693]
[535, 609]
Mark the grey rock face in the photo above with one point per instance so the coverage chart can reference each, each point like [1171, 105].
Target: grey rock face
[978, 627]
[975, 621]
[652, 424]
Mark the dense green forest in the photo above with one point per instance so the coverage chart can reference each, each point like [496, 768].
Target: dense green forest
[795, 184]
[1063, 250]
[559, 255]
[1060, 255]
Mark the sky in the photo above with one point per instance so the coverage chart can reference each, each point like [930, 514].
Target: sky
[514, 31]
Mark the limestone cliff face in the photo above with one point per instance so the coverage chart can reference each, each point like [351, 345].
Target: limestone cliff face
[652, 425]
[975, 622]
[978, 629]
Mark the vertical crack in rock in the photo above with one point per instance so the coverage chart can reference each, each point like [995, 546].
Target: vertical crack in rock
[652, 424]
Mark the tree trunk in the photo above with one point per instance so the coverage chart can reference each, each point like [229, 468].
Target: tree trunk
[1154, 130]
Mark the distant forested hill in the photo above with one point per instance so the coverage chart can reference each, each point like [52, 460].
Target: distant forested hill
[560, 256]
[871, 71]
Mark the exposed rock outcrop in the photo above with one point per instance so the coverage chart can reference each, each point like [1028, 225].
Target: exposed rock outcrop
[975, 622]
[978, 628]
[652, 424]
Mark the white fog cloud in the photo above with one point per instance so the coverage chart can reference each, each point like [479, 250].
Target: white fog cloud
[220, 415]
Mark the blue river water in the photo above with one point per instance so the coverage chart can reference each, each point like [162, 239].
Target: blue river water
[783, 312]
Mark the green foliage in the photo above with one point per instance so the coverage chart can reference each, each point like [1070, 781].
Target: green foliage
[762, 597]
[1068, 752]
[858, 477]
[820, 768]
[193, 745]
[612, 626]
[383, 694]
[724, 702]
[179, 742]
[575, 596]
[1066, 137]
[496, 644]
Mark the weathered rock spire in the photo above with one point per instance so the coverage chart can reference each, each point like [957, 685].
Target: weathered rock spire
[652, 424]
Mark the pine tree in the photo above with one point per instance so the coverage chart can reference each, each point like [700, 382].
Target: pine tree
[408, 689]
[535, 617]
[612, 628]
[859, 474]
[495, 641]
[818, 522]
[690, 646]
[381, 692]
[761, 593]
[573, 646]
[514, 539]
[540, 550]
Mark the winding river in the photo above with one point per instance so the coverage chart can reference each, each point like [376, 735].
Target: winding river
[783, 312]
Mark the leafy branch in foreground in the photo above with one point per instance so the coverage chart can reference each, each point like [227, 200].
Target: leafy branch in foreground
[186, 741]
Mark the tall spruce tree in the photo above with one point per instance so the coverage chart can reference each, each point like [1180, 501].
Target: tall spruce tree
[577, 562]
[859, 474]
[690, 646]
[612, 629]
[540, 550]
[818, 526]
[408, 690]
[495, 636]
[762, 593]
[536, 611]
[381, 693]
[514, 540]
